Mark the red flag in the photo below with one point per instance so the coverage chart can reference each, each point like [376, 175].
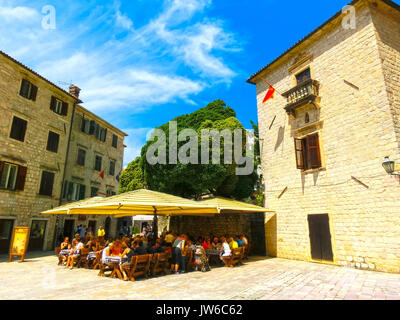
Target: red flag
[102, 174]
[270, 93]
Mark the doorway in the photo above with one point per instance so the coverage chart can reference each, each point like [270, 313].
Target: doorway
[107, 227]
[6, 229]
[68, 228]
[320, 237]
[36, 238]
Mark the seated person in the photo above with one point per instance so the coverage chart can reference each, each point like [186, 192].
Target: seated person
[239, 241]
[140, 250]
[65, 245]
[94, 245]
[128, 253]
[244, 240]
[76, 249]
[232, 243]
[116, 249]
[227, 254]
[207, 244]
[106, 253]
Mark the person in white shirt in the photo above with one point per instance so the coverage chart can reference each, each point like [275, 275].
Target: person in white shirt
[226, 256]
[75, 254]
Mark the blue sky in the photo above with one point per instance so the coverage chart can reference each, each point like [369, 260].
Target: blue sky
[140, 63]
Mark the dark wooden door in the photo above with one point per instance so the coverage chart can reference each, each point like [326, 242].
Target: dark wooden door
[68, 228]
[36, 237]
[320, 237]
[6, 229]
[107, 226]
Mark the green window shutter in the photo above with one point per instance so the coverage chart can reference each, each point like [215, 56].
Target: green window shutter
[82, 189]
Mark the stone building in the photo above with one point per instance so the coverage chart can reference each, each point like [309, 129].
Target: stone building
[40, 153]
[95, 159]
[34, 130]
[324, 139]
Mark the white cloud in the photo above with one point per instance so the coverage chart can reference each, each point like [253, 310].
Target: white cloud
[22, 14]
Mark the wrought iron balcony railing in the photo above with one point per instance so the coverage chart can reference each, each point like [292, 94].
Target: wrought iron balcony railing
[304, 93]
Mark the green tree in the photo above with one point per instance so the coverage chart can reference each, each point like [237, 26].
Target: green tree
[132, 177]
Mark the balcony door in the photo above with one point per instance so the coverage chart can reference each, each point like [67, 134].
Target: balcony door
[6, 229]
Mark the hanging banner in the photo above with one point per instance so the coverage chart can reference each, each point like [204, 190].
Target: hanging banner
[19, 242]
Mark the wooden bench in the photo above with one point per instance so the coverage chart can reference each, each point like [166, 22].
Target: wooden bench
[139, 266]
[237, 256]
[97, 261]
[82, 260]
[160, 264]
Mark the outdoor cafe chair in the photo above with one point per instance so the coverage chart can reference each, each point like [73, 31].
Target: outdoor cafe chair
[160, 264]
[139, 266]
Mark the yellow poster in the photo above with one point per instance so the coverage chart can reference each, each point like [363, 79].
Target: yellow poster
[20, 239]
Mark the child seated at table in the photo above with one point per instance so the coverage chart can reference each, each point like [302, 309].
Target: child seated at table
[75, 254]
[65, 245]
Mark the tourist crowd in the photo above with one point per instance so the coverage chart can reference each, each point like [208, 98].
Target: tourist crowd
[145, 243]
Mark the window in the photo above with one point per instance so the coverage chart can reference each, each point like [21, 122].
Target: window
[18, 129]
[308, 154]
[101, 133]
[303, 76]
[81, 157]
[115, 141]
[85, 127]
[93, 191]
[28, 90]
[73, 191]
[52, 142]
[46, 185]
[12, 176]
[111, 171]
[58, 106]
[110, 193]
[97, 164]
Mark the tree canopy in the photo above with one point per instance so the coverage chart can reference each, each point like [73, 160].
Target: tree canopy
[193, 180]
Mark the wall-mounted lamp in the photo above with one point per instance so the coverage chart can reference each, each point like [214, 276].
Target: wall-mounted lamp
[389, 166]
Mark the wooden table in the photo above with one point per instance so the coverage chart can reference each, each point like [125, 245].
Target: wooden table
[114, 263]
[213, 255]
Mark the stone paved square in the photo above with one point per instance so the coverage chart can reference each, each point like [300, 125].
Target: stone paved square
[260, 278]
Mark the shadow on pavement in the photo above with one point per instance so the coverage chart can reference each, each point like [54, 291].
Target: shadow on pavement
[30, 257]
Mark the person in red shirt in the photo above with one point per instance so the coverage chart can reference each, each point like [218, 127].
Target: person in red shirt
[207, 244]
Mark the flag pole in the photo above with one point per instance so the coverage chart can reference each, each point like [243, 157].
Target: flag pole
[272, 86]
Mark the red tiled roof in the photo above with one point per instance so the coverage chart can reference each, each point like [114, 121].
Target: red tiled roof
[250, 80]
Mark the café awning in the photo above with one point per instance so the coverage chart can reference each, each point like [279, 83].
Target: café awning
[226, 205]
[138, 202]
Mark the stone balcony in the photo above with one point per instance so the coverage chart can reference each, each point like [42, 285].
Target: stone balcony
[304, 93]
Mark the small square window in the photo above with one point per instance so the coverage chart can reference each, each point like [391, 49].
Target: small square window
[18, 129]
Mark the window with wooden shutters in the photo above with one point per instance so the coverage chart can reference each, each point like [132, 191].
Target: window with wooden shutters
[92, 127]
[81, 157]
[93, 191]
[46, 184]
[97, 164]
[9, 176]
[111, 170]
[82, 191]
[58, 106]
[20, 183]
[307, 151]
[115, 141]
[18, 129]
[85, 125]
[298, 146]
[53, 141]
[313, 153]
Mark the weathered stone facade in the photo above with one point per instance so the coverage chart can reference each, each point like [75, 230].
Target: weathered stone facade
[85, 174]
[357, 119]
[22, 207]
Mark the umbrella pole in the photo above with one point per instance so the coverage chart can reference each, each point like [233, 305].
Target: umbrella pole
[155, 226]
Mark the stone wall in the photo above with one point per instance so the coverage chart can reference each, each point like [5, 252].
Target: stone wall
[357, 130]
[25, 206]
